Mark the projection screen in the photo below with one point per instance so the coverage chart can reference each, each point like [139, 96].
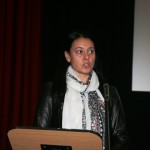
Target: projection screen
[141, 47]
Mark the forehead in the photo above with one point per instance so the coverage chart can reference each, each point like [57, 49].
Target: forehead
[82, 42]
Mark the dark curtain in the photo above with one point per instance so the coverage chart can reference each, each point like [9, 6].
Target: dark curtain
[20, 64]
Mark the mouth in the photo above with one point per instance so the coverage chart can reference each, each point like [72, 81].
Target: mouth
[86, 65]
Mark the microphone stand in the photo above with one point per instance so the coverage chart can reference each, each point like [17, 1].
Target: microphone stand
[107, 129]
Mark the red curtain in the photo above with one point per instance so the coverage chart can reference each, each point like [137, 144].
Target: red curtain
[20, 64]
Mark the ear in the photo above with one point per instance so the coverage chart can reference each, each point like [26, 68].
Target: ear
[67, 56]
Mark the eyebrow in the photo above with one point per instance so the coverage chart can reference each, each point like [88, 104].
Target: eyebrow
[83, 48]
[79, 47]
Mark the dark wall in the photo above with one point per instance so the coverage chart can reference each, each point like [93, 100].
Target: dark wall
[112, 23]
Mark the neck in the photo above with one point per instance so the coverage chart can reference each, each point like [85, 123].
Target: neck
[84, 78]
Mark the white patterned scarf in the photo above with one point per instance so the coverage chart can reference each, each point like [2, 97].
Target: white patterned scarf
[83, 104]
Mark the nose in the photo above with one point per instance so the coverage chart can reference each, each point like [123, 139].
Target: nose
[86, 56]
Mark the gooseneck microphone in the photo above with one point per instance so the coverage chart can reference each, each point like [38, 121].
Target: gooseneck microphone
[107, 127]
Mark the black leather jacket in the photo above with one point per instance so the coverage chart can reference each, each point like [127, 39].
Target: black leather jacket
[49, 115]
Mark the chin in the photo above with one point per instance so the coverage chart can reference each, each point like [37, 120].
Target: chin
[87, 71]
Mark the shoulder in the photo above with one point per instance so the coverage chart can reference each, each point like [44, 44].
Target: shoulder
[46, 88]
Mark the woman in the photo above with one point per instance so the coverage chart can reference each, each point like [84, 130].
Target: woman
[76, 100]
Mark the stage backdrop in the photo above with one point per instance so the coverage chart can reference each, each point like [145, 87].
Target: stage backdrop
[20, 42]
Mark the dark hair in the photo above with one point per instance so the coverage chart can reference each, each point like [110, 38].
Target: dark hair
[75, 35]
[59, 77]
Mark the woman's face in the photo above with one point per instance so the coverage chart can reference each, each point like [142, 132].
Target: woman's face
[82, 56]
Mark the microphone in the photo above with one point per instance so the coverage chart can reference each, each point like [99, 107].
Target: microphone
[107, 130]
[106, 91]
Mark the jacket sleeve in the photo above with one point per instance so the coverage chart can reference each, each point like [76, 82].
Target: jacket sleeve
[43, 114]
[119, 136]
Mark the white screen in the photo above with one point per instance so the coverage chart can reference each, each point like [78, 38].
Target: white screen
[141, 46]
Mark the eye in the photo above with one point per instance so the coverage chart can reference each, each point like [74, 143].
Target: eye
[79, 51]
[91, 51]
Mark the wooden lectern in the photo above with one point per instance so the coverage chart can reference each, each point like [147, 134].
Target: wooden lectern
[54, 139]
